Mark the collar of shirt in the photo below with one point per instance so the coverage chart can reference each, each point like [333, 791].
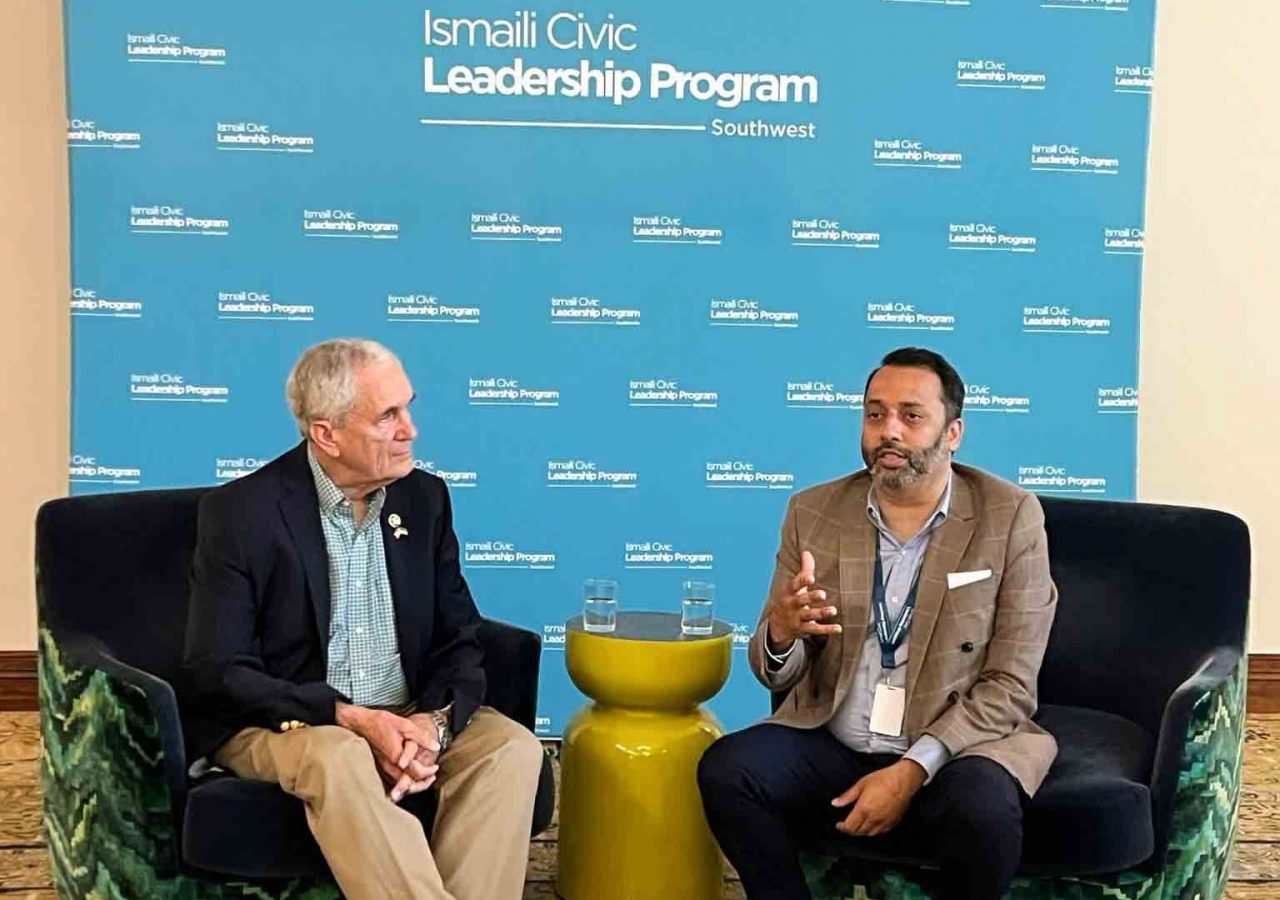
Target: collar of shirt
[940, 513]
[331, 497]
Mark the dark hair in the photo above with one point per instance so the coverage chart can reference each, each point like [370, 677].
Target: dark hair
[920, 358]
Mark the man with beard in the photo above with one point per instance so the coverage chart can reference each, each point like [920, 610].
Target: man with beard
[906, 622]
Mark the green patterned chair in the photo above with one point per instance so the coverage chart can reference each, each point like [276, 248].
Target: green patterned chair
[122, 819]
[1143, 685]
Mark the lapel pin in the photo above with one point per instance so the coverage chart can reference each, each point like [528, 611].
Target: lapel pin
[394, 520]
[399, 533]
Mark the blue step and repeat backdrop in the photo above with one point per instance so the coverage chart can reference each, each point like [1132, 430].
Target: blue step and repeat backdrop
[637, 258]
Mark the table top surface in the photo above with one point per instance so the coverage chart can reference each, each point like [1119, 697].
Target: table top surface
[651, 626]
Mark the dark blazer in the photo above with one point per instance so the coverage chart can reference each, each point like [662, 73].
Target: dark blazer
[258, 627]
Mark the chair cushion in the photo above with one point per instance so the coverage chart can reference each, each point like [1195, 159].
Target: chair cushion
[252, 829]
[1093, 812]
[247, 829]
[1091, 815]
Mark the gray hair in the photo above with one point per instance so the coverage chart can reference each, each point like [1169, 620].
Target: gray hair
[322, 383]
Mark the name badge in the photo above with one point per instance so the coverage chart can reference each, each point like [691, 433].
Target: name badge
[888, 710]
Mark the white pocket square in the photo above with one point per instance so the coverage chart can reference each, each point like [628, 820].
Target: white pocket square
[960, 579]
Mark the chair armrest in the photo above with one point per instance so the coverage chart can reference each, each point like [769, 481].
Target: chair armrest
[512, 657]
[114, 776]
[1195, 780]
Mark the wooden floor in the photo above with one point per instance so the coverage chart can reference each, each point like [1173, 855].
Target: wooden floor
[24, 871]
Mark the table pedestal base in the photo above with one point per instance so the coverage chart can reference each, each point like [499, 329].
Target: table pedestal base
[631, 820]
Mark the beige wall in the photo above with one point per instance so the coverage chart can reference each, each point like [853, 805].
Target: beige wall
[1210, 356]
[34, 287]
[1210, 377]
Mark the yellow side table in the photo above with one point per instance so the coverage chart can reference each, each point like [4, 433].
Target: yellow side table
[631, 821]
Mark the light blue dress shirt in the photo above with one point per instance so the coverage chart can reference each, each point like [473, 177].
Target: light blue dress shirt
[851, 722]
[363, 658]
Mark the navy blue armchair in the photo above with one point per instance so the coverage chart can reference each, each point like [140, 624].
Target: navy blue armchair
[121, 816]
[1143, 685]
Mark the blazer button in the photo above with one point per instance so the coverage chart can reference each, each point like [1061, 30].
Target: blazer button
[966, 647]
[953, 697]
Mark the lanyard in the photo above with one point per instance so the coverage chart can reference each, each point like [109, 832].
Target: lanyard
[891, 634]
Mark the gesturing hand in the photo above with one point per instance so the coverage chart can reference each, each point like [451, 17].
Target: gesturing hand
[880, 799]
[801, 611]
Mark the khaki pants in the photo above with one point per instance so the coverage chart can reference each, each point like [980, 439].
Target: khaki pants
[479, 846]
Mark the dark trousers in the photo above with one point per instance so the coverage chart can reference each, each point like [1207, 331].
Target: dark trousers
[767, 793]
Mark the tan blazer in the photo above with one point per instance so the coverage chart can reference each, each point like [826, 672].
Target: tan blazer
[978, 703]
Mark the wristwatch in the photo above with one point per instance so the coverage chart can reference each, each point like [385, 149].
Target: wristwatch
[441, 719]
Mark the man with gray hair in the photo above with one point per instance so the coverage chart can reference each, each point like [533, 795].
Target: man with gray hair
[331, 647]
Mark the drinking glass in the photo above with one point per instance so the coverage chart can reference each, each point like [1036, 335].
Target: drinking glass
[696, 607]
[599, 605]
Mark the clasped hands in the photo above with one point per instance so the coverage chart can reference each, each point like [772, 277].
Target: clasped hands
[405, 748]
